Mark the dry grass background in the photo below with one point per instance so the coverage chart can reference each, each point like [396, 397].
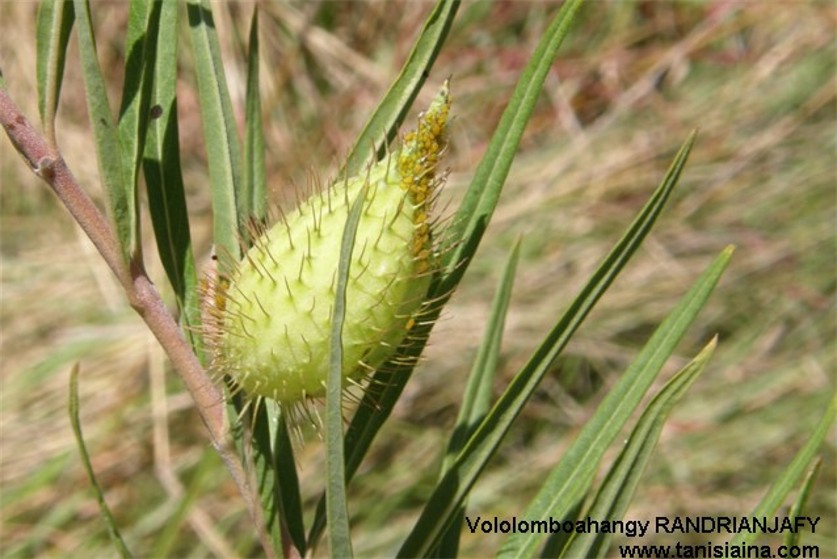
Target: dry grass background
[758, 78]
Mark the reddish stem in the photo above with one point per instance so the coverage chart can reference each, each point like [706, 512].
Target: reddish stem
[48, 164]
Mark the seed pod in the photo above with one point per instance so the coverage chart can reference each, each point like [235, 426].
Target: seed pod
[271, 332]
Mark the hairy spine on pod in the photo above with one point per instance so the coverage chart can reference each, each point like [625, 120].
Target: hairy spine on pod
[270, 326]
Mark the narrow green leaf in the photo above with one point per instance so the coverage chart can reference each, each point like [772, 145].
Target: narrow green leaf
[140, 46]
[121, 196]
[457, 482]
[783, 485]
[261, 446]
[290, 501]
[254, 192]
[337, 512]
[388, 384]
[381, 394]
[571, 479]
[560, 492]
[378, 132]
[163, 177]
[272, 457]
[55, 21]
[75, 421]
[264, 438]
[375, 407]
[252, 434]
[468, 225]
[798, 509]
[383, 126]
[476, 400]
[222, 144]
[620, 484]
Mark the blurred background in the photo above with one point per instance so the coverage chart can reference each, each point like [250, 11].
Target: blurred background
[631, 81]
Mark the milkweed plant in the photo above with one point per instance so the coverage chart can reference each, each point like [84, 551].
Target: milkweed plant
[336, 299]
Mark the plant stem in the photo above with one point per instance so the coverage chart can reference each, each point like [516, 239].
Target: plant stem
[47, 163]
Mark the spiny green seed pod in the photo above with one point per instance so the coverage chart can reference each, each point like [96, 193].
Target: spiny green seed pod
[271, 331]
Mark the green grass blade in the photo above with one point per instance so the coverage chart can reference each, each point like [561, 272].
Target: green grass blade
[387, 384]
[376, 134]
[472, 217]
[121, 197]
[272, 458]
[290, 501]
[777, 493]
[75, 421]
[379, 398]
[254, 193]
[383, 126]
[222, 144]
[275, 468]
[337, 512]
[570, 480]
[263, 462]
[140, 46]
[476, 400]
[457, 482]
[251, 432]
[55, 21]
[620, 484]
[163, 177]
[798, 508]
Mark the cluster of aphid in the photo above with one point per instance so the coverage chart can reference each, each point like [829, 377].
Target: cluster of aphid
[269, 328]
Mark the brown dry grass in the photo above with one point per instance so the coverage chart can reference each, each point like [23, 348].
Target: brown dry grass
[634, 78]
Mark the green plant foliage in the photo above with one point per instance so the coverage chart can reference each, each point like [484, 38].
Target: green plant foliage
[615, 494]
[162, 170]
[476, 401]
[384, 123]
[254, 194]
[290, 322]
[107, 516]
[783, 485]
[55, 20]
[109, 149]
[223, 145]
[337, 512]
